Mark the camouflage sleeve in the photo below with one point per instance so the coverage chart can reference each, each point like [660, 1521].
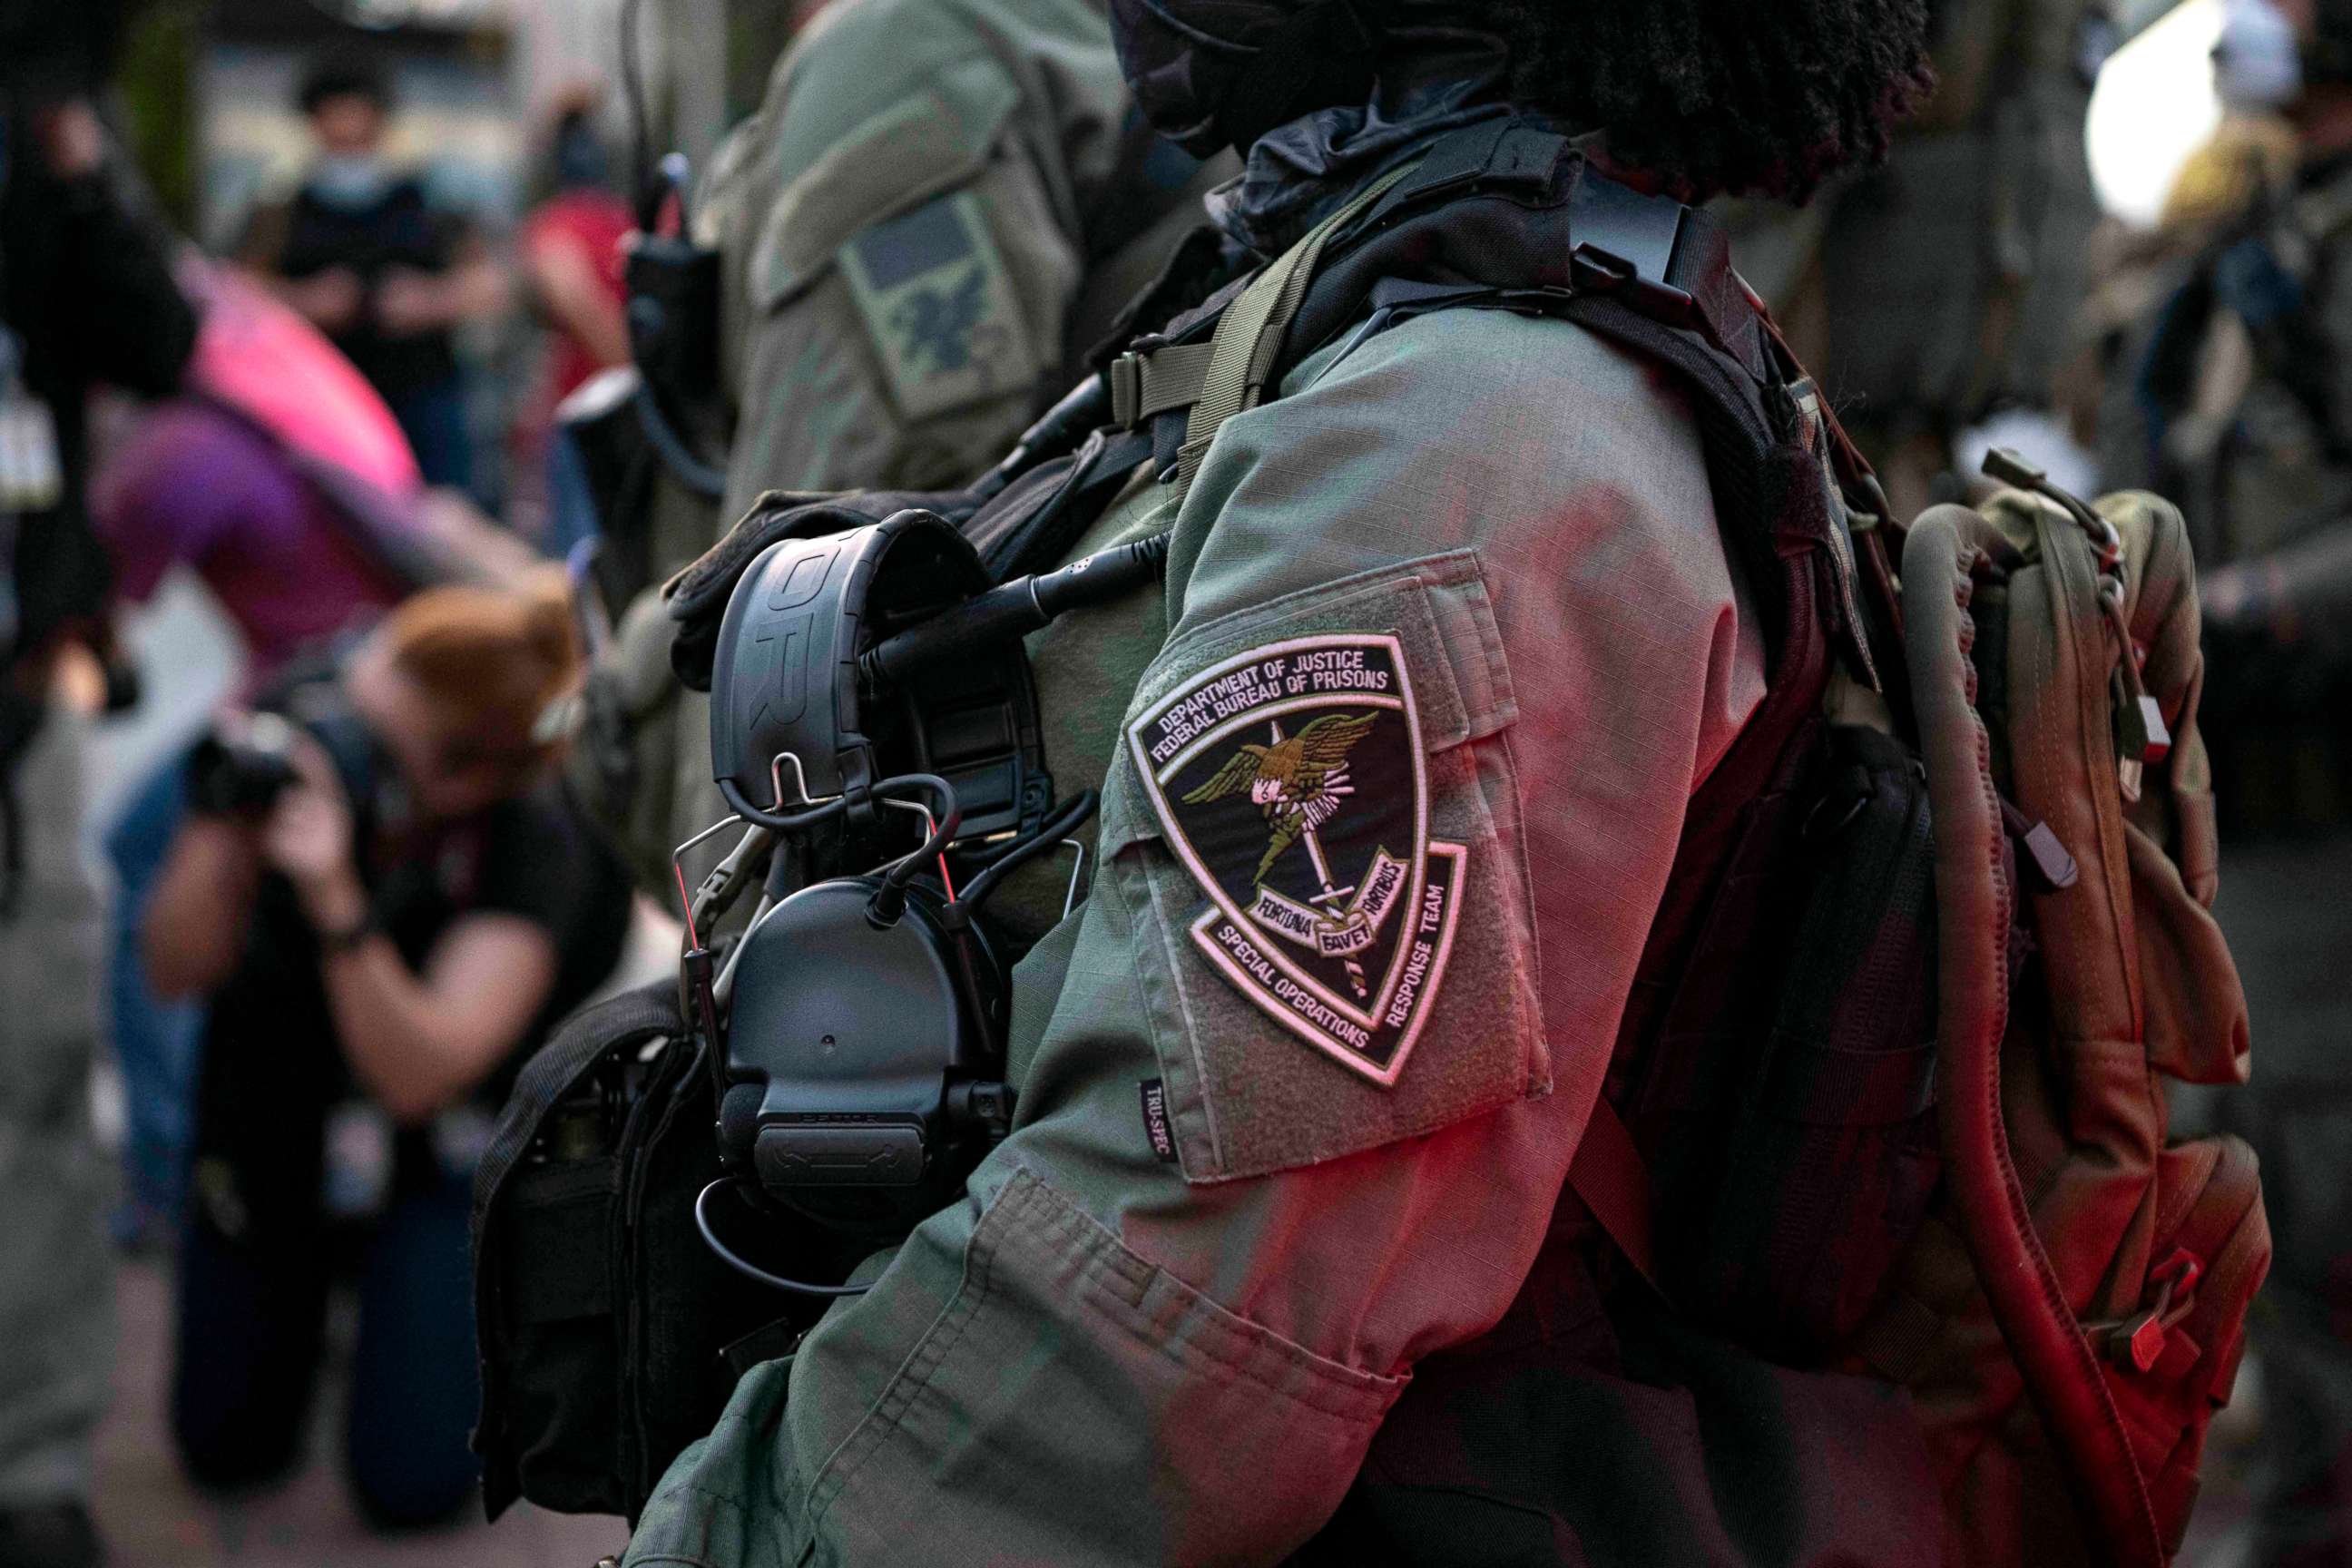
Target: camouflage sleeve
[908, 241]
[1390, 813]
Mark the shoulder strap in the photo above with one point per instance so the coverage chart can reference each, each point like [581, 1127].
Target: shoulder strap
[1130, 247]
[1497, 213]
[1613, 1181]
[1507, 213]
[1247, 343]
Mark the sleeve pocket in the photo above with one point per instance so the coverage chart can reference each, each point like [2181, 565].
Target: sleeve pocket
[1313, 826]
[931, 143]
[1080, 1403]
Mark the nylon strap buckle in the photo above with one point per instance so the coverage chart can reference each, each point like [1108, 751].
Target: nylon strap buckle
[1125, 378]
[1606, 272]
[1153, 380]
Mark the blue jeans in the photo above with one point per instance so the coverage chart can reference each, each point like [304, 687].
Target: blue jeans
[570, 504]
[155, 1042]
[250, 1327]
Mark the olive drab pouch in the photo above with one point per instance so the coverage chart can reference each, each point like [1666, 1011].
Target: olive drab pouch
[2073, 1314]
[610, 1337]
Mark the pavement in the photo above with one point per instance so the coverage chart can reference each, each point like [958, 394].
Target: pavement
[153, 1518]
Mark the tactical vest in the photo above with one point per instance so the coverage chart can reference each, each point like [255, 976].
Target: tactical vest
[1505, 214]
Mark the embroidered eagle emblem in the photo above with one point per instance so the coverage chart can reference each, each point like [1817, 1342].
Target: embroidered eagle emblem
[1291, 782]
[938, 324]
[1299, 783]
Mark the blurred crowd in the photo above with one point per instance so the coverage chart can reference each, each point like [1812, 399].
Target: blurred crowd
[344, 910]
[326, 930]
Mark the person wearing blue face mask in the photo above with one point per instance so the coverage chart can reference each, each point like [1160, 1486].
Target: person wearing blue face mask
[362, 251]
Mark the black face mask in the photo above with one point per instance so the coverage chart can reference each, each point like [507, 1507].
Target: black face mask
[1211, 74]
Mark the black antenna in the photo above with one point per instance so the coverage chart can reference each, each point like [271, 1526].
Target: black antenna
[633, 86]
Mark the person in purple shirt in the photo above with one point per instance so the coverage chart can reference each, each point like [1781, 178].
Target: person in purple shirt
[196, 483]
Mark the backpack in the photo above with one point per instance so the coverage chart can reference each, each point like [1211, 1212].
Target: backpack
[1782, 1155]
[2051, 646]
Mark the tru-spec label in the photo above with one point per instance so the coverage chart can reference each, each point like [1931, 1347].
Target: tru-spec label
[1155, 1120]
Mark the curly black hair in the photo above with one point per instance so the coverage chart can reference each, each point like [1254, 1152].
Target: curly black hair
[343, 70]
[1718, 96]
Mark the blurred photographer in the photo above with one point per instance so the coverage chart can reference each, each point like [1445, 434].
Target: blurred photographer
[85, 297]
[382, 896]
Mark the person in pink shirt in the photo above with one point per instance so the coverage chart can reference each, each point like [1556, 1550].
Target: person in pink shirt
[572, 247]
[573, 260]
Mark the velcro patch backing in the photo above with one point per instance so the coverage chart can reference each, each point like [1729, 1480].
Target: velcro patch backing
[1291, 782]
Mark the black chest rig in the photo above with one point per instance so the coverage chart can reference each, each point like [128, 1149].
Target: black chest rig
[874, 728]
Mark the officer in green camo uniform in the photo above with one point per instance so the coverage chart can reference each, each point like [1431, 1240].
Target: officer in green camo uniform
[2246, 388]
[86, 295]
[936, 212]
[1172, 1311]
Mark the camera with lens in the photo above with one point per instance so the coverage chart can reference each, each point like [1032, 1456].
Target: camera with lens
[245, 763]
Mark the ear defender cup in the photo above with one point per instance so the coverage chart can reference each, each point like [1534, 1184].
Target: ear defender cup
[795, 720]
[860, 1075]
[863, 1079]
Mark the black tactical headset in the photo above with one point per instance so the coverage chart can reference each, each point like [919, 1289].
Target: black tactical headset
[875, 719]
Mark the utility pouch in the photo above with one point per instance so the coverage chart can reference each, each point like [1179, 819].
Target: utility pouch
[1833, 1138]
[602, 1319]
[2212, 1249]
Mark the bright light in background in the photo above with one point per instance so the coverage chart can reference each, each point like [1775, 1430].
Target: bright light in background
[2154, 105]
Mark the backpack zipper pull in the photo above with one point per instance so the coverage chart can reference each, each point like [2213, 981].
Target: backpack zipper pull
[2137, 1342]
[2141, 734]
[2131, 736]
[2053, 864]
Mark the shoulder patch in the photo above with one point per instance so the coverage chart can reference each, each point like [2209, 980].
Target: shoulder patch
[1291, 783]
[940, 307]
